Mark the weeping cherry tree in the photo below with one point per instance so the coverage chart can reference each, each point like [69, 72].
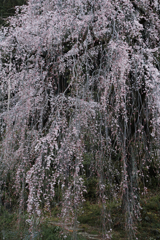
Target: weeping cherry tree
[79, 97]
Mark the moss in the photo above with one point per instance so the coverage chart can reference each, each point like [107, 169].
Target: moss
[91, 214]
[149, 226]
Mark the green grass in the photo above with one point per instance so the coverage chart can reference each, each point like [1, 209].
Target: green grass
[91, 214]
[148, 227]
[90, 221]
[150, 224]
[13, 228]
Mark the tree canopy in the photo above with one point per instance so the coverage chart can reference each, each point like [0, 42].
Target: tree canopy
[79, 97]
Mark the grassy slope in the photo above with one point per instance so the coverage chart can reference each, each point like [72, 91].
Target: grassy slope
[90, 222]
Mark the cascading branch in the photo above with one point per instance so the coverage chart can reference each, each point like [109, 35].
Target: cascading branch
[80, 83]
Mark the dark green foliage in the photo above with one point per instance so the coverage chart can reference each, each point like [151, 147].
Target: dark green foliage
[6, 219]
[149, 227]
[14, 227]
[50, 232]
[91, 214]
[10, 227]
[91, 186]
[7, 8]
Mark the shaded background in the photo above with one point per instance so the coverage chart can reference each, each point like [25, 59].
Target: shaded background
[7, 8]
